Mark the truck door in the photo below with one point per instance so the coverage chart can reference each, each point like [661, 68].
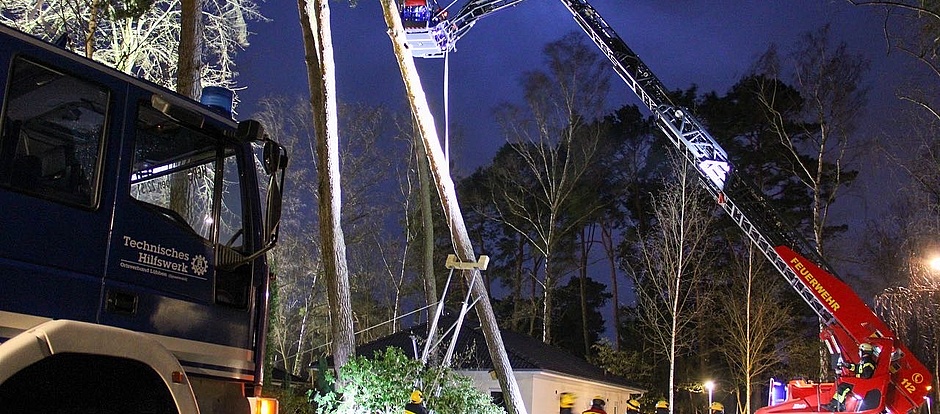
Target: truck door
[54, 200]
[178, 196]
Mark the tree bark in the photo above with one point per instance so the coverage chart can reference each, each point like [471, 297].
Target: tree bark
[458, 229]
[582, 281]
[321, 75]
[427, 224]
[607, 239]
[188, 74]
[519, 304]
[91, 28]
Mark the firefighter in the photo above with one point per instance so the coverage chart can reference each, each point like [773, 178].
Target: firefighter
[633, 407]
[416, 405]
[662, 407]
[566, 402]
[864, 369]
[597, 406]
[717, 408]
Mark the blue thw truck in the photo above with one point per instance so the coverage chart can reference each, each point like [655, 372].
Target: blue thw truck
[133, 276]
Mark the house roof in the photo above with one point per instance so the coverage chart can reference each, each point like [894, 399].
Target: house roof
[525, 352]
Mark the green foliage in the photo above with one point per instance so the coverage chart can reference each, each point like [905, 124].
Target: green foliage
[625, 363]
[568, 325]
[131, 9]
[384, 383]
[290, 400]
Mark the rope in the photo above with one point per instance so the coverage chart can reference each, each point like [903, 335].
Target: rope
[364, 330]
[437, 317]
[447, 109]
[448, 6]
[438, 377]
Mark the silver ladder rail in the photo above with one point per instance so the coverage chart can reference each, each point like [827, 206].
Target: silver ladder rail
[689, 136]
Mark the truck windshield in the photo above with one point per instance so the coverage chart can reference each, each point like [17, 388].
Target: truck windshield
[188, 175]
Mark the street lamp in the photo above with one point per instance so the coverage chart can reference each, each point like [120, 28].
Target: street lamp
[710, 386]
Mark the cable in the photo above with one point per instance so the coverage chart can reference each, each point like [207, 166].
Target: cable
[447, 108]
[363, 330]
[437, 317]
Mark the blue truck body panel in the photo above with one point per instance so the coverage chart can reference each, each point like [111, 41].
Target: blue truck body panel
[105, 254]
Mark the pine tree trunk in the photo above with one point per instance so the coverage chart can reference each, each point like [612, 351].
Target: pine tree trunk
[91, 28]
[188, 74]
[608, 241]
[519, 304]
[321, 75]
[427, 224]
[582, 270]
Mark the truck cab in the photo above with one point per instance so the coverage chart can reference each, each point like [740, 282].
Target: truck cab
[135, 214]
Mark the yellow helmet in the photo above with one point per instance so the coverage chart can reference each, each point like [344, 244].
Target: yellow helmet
[416, 397]
[634, 404]
[567, 399]
[599, 401]
[866, 347]
[662, 404]
[717, 406]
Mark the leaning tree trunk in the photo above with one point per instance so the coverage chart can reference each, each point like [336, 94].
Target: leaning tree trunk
[458, 229]
[321, 75]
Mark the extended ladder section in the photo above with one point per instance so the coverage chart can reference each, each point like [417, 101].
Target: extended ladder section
[698, 146]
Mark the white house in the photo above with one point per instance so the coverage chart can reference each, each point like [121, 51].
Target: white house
[542, 371]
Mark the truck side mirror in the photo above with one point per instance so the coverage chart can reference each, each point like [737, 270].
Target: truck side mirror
[273, 217]
[275, 162]
[274, 158]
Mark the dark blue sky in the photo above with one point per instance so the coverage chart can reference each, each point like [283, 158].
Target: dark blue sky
[710, 43]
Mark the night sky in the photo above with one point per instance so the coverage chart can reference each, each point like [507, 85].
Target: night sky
[708, 43]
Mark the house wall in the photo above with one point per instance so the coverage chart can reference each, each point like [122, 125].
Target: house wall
[541, 390]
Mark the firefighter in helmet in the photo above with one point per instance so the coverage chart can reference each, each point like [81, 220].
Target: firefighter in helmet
[662, 407]
[717, 408]
[597, 406]
[864, 369]
[416, 405]
[633, 407]
[566, 402]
